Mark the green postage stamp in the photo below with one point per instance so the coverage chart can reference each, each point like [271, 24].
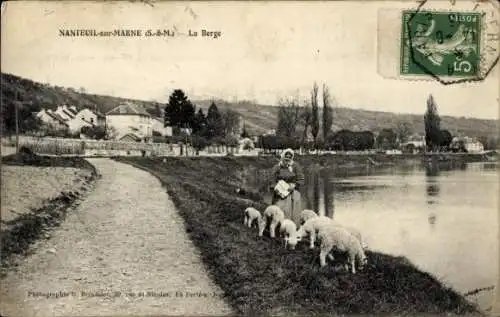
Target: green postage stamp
[440, 43]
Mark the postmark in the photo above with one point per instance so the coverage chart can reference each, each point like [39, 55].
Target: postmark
[441, 43]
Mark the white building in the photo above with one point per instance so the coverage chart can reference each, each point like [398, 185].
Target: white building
[66, 112]
[86, 118]
[131, 122]
[159, 127]
[52, 119]
[70, 118]
[472, 145]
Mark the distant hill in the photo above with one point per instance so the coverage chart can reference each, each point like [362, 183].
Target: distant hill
[261, 118]
[44, 95]
[258, 118]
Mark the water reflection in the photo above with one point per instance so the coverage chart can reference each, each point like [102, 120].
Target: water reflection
[397, 210]
[328, 193]
[316, 192]
[432, 183]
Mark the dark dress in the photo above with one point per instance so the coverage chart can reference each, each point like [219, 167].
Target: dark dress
[292, 204]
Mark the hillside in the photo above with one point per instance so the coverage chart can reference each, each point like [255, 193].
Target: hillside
[261, 118]
[258, 118]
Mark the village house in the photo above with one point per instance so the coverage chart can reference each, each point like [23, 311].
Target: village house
[53, 120]
[471, 145]
[86, 118]
[158, 126]
[415, 144]
[69, 118]
[131, 122]
[66, 112]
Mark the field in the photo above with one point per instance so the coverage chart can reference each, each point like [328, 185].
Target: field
[259, 276]
[36, 193]
[25, 188]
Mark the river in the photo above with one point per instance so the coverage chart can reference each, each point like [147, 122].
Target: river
[443, 219]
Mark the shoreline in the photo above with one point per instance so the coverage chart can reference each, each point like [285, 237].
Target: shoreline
[258, 276]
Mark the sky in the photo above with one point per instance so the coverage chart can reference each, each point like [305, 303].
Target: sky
[266, 51]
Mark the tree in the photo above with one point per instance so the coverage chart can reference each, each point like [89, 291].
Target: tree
[199, 143]
[306, 121]
[386, 139]
[403, 132]
[315, 112]
[215, 122]
[327, 113]
[26, 112]
[199, 123]
[231, 120]
[158, 112]
[94, 132]
[179, 112]
[446, 139]
[288, 117]
[30, 124]
[244, 133]
[432, 125]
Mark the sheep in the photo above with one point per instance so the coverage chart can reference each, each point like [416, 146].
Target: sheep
[306, 214]
[310, 227]
[287, 228]
[316, 225]
[276, 215]
[251, 214]
[342, 240]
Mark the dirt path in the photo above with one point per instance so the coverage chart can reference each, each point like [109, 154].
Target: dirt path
[124, 239]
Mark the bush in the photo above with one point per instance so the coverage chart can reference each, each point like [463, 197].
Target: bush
[94, 132]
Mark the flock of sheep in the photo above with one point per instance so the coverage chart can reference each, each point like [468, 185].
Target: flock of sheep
[332, 235]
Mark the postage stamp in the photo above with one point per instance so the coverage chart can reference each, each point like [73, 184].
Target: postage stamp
[441, 43]
[450, 43]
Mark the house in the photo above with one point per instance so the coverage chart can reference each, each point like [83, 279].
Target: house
[415, 144]
[129, 118]
[52, 119]
[158, 126]
[70, 118]
[67, 113]
[471, 145]
[86, 118]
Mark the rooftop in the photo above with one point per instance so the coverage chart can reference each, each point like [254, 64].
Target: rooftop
[128, 108]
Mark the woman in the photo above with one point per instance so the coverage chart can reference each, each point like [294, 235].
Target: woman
[292, 173]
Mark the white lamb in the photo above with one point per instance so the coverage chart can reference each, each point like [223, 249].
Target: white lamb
[306, 214]
[287, 228]
[276, 215]
[342, 240]
[313, 227]
[251, 214]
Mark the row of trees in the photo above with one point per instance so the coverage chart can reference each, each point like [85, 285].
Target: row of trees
[343, 140]
[295, 120]
[292, 116]
[216, 127]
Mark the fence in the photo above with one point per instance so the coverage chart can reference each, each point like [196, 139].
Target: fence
[84, 147]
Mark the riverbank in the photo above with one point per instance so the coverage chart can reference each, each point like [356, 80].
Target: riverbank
[37, 193]
[258, 276]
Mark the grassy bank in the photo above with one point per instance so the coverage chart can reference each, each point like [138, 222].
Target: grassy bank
[259, 276]
[16, 235]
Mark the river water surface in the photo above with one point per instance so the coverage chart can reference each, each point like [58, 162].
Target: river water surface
[443, 219]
